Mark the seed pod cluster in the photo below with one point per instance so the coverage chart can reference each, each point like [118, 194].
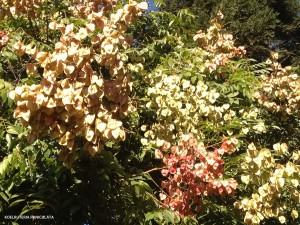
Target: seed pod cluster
[16, 7]
[277, 184]
[182, 106]
[184, 103]
[75, 99]
[280, 92]
[191, 172]
[219, 46]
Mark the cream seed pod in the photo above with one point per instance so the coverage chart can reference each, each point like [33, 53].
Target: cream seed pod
[280, 92]
[273, 181]
[177, 101]
[184, 104]
[73, 99]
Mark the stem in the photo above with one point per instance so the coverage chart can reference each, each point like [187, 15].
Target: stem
[147, 171]
[154, 169]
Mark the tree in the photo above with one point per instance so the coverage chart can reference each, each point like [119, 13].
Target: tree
[111, 115]
[260, 26]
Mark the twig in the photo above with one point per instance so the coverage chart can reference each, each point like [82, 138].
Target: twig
[147, 172]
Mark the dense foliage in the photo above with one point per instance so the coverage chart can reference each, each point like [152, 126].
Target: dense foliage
[114, 115]
[257, 25]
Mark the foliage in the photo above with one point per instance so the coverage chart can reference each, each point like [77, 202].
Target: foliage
[183, 92]
[257, 25]
[165, 111]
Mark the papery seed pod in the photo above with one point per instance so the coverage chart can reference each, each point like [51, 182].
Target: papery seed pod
[72, 93]
[294, 214]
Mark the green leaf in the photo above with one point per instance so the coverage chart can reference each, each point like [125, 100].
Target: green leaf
[3, 96]
[12, 130]
[169, 217]
[8, 140]
[47, 153]
[194, 79]
[10, 102]
[37, 202]
[149, 216]
[231, 95]
[16, 202]
[4, 197]
[159, 216]
[109, 144]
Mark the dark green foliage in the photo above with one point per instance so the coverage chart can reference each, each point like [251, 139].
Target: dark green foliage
[260, 26]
